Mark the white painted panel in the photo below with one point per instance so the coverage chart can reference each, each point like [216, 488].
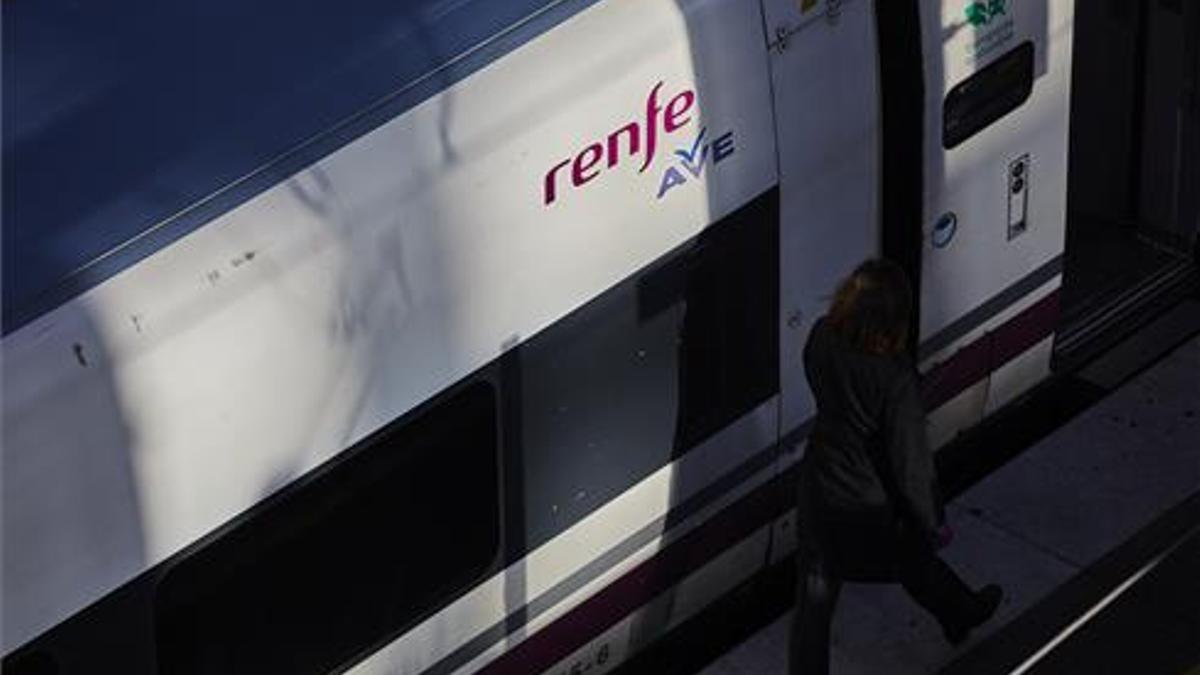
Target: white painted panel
[971, 179]
[827, 119]
[182, 391]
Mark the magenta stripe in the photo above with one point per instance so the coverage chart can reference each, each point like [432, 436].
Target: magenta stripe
[1016, 337]
[992, 350]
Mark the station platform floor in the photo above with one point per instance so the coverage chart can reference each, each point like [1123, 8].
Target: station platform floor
[1093, 531]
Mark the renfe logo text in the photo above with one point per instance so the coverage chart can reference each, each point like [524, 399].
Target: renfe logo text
[636, 137]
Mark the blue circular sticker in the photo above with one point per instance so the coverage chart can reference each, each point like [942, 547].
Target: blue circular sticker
[944, 229]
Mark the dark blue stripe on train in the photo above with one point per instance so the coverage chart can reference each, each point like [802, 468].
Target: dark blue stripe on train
[128, 125]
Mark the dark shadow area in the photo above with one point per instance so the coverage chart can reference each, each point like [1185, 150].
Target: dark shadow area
[902, 143]
[724, 291]
[1131, 227]
[1150, 627]
[513, 500]
[734, 618]
[975, 454]
[1154, 627]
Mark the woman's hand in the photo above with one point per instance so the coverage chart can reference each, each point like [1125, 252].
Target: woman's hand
[943, 536]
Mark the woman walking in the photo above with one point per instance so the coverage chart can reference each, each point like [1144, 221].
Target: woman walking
[868, 503]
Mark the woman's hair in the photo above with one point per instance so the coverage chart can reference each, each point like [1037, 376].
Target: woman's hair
[871, 308]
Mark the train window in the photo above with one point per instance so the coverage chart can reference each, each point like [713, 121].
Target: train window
[340, 565]
[644, 372]
[728, 342]
[988, 95]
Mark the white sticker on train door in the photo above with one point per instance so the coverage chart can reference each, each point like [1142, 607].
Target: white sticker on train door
[979, 31]
[993, 25]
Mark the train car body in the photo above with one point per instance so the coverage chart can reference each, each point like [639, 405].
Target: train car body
[494, 365]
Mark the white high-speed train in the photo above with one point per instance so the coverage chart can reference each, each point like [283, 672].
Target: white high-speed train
[448, 336]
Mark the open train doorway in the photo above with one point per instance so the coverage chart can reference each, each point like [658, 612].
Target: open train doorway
[1134, 169]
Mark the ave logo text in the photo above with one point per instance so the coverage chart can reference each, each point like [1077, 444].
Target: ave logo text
[693, 159]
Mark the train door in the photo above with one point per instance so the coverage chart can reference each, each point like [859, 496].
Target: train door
[824, 77]
[989, 256]
[1132, 189]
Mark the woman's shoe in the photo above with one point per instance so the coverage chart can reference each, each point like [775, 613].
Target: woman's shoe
[987, 600]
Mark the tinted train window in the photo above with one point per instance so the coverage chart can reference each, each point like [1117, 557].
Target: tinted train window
[643, 373]
[337, 567]
[988, 95]
[726, 287]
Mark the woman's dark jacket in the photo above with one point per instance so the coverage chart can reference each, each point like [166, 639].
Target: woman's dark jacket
[867, 458]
